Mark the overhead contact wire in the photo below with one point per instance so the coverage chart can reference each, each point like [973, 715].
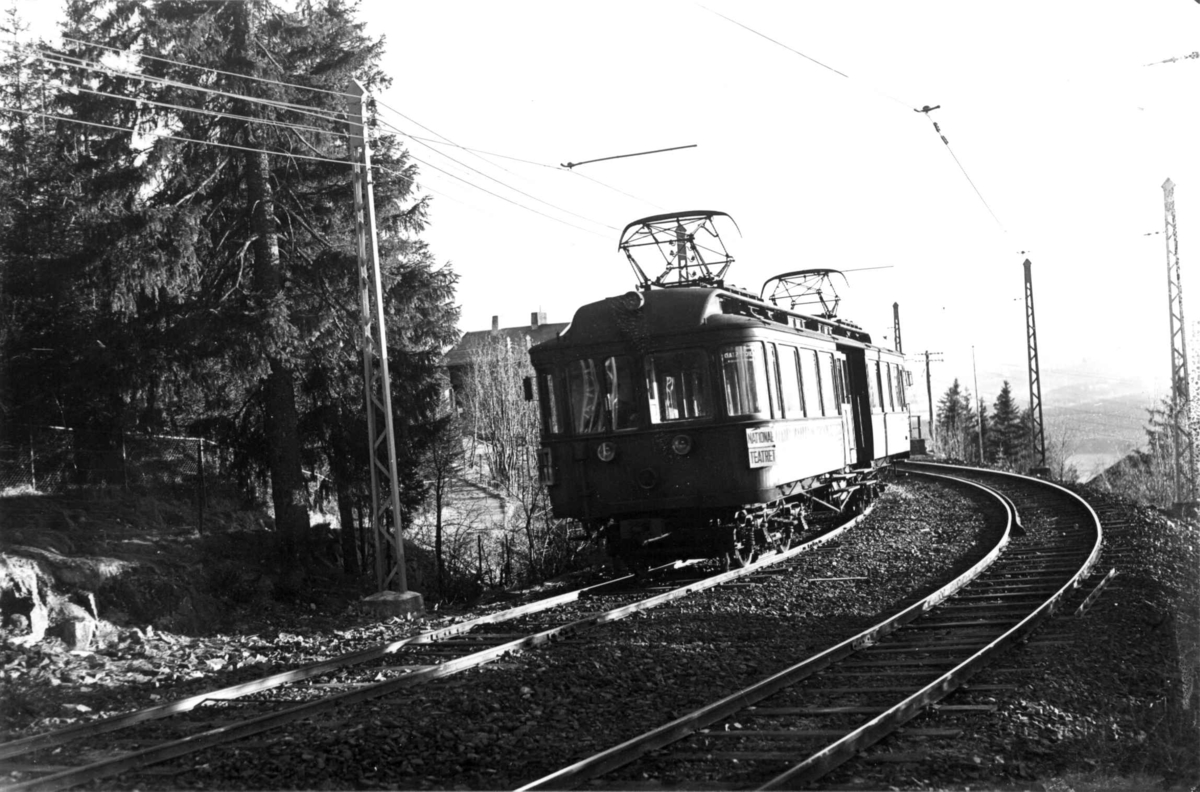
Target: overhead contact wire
[83, 63]
[217, 113]
[506, 199]
[164, 136]
[210, 69]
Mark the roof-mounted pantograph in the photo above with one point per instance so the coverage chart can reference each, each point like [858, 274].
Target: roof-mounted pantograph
[691, 249]
[803, 288]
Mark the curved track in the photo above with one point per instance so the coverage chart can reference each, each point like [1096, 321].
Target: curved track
[122, 743]
[798, 724]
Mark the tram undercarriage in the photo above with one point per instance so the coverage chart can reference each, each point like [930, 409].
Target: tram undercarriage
[739, 534]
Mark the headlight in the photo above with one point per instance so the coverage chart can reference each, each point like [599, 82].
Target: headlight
[682, 445]
[606, 451]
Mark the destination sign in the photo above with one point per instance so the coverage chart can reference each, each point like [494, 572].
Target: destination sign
[760, 443]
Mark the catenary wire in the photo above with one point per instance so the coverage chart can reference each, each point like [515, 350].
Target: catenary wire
[92, 65]
[210, 69]
[88, 64]
[801, 54]
[164, 136]
[876, 90]
[381, 104]
[319, 159]
[82, 63]
[503, 198]
[448, 142]
[514, 189]
[205, 111]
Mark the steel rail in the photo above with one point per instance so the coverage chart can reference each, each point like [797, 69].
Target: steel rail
[624, 753]
[105, 768]
[50, 739]
[884, 724]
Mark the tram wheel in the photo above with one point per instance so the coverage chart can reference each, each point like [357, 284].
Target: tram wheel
[744, 553]
[785, 539]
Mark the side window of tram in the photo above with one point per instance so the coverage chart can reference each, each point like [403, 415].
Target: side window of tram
[586, 395]
[812, 383]
[677, 385]
[601, 396]
[890, 401]
[829, 386]
[901, 396]
[621, 402]
[789, 383]
[744, 371]
[873, 384]
[548, 401]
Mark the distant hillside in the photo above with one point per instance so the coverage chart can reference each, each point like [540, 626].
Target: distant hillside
[1096, 432]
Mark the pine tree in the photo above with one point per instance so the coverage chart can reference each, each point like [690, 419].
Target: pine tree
[957, 423]
[221, 277]
[1009, 437]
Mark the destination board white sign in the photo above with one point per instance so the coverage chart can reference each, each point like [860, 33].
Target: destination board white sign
[760, 443]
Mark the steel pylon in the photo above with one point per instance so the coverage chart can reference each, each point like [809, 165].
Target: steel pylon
[1037, 430]
[1181, 431]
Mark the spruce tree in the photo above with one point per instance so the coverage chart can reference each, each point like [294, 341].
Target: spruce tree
[1008, 432]
[210, 250]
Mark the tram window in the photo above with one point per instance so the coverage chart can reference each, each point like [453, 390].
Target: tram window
[891, 389]
[839, 384]
[586, 394]
[677, 385]
[773, 382]
[745, 375]
[812, 383]
[602, 395]
[829, 385]
[873, 384]
[548, 402]
[789, 383]
[621, 402]
[901, 396]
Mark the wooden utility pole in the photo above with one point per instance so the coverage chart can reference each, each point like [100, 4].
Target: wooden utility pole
[386, 514]
[929, 391]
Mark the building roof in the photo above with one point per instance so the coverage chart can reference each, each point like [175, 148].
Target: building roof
[519, 337]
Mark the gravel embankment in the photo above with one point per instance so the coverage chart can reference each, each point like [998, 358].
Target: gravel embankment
[504, 725]
[1091, 700]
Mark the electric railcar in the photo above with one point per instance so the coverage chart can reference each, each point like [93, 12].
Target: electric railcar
[694, 419]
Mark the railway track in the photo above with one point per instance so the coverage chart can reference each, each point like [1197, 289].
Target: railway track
[798, 724]
[112, 746]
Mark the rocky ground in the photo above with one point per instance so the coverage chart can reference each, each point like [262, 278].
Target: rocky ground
[1093, 703]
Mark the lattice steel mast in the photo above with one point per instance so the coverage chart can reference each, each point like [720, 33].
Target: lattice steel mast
[385, 486]
[1037, 432]
[1181, 432]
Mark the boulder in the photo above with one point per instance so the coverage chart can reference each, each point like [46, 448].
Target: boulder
[22, 605]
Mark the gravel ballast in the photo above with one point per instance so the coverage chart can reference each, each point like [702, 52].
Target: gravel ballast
[1090, 696]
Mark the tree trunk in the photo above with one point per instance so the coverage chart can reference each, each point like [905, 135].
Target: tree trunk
[345, 504]
[281, 418]
[439, 486]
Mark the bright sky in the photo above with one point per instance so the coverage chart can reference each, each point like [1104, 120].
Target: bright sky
[1050, 108]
